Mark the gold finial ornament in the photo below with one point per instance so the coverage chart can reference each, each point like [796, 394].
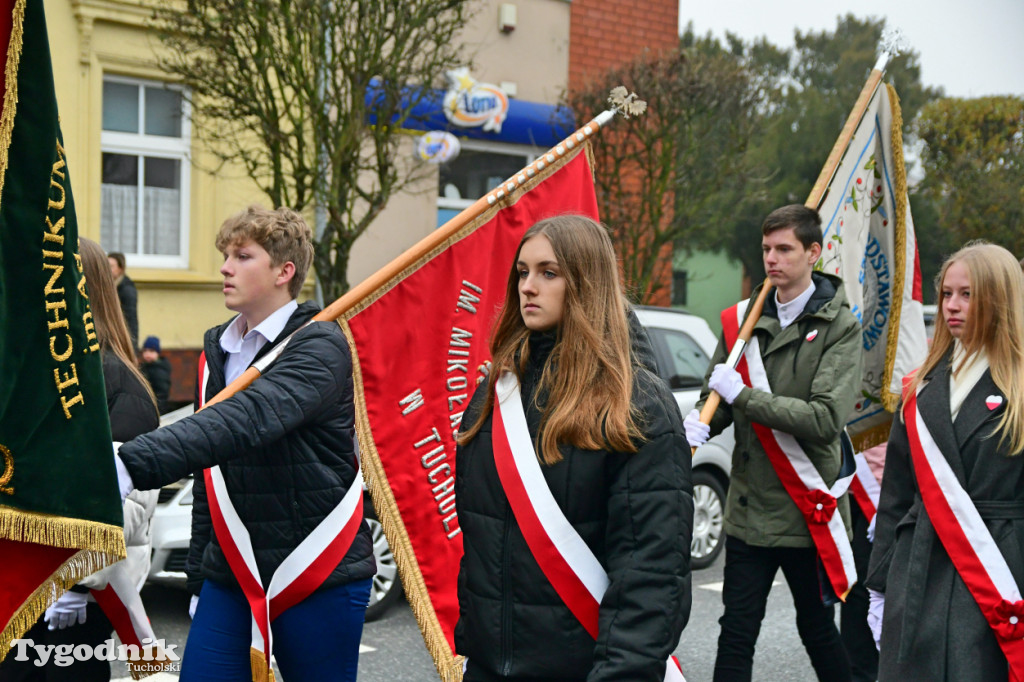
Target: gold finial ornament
[626, 103]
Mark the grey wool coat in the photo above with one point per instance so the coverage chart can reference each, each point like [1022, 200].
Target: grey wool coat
[932, 628]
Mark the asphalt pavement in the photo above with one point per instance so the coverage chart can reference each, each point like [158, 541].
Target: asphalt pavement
[393, 651]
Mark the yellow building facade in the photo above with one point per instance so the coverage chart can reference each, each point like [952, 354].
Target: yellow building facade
[144, 185]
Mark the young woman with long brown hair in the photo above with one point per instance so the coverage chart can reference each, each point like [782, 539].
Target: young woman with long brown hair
[947, 564]
[571, 425]
[130, 398]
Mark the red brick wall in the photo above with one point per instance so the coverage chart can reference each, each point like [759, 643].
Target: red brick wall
[606, 33]
[184, 363]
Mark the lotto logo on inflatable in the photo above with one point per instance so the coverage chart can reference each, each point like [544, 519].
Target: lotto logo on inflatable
[469, 104]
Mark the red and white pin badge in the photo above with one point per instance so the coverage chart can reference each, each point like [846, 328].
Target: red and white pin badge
[811, 335]
[993, 401]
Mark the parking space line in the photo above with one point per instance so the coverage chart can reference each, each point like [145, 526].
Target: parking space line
[717, 587]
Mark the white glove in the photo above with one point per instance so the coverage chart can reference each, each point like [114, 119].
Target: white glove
[193, 603]
[66, 611]
[871, 528]
[726, 381]
[875, 608]
[124, 479]
[697, 432]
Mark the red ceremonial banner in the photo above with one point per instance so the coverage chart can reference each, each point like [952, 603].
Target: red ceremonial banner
[419, 345]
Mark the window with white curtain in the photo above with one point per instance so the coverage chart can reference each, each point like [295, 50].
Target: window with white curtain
[479, 168]
[144, 190]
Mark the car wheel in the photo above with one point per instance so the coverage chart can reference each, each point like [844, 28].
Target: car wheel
[708, 519]
[386, 588]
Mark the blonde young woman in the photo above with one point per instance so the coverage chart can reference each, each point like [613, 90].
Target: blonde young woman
[605, 439]
[961, 427]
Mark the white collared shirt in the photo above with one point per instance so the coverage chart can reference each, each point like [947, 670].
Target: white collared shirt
[242, 350]
[789, 311]
[961, 383]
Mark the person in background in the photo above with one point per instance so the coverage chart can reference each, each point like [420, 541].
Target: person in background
[76, 618]
[280, 458]
[157, 371]
[809, 349]
[127, 294]
[946, 568]
[854, 613]
[607, 447]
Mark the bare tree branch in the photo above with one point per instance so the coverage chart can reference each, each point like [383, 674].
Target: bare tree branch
[310, 98]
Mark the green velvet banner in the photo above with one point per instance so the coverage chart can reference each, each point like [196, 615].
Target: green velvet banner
[54, 429]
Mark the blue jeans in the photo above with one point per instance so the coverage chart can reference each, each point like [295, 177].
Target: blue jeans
[317, 639]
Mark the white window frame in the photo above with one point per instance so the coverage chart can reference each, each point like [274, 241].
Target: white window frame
[155, 146]
[528, 153]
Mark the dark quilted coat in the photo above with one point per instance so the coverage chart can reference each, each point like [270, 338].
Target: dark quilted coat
[131, 410]
[634, 511]
[285, 445]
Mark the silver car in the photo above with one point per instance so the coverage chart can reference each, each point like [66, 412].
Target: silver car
[683, 345]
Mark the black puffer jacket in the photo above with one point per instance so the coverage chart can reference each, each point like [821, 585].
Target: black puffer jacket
[131, 410]
[634, 511]
[285, 445]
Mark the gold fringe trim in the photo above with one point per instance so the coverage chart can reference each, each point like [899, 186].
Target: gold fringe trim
[61, 531]
[261, 670]
[78, 566]
[11, 93]
[890, 400]
[591, 160]
[876, 435]
[449, 666]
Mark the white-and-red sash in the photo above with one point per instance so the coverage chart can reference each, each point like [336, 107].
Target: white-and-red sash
[815, 500]
[299, 575]
[865, 488]
[566, 560]
[122, 605]
[967, 541]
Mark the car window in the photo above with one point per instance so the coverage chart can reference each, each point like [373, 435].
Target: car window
[687, 363]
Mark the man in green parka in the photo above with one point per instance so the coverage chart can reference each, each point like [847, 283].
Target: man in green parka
[810, 346]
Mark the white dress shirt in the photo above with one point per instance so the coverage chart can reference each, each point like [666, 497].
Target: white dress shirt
[961, 382]
[789, 311]
[242, 350]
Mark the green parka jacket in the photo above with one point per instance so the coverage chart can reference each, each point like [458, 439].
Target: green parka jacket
[814, 379]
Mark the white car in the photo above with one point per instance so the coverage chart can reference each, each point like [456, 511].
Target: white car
[172, 523]
[683, 345]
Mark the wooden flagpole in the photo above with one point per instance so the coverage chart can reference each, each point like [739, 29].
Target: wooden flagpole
[813, 201]
[424, 246]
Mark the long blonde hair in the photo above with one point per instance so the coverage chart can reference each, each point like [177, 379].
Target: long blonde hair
[995, 324]
[588, 378]
[111, 329]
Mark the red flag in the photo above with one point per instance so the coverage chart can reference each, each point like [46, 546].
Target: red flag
[418, 346]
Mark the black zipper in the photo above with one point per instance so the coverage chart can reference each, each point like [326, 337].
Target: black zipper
[506, 596]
